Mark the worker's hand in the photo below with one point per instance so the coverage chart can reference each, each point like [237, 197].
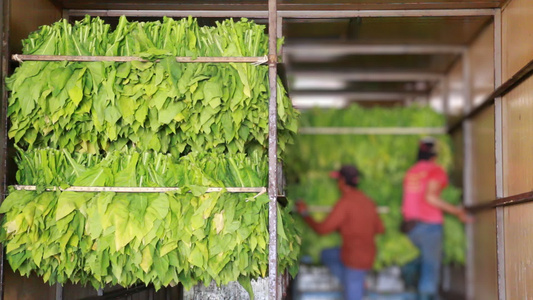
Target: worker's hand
[301, 207]
[463, 215]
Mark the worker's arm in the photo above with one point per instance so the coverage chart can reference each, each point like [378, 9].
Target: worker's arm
[433, 198]
[330, 224]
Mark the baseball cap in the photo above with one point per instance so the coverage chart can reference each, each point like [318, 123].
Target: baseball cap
[349, 172]
[427, 148]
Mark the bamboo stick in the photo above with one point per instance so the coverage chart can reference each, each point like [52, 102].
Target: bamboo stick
[202, 59]
[139, 189]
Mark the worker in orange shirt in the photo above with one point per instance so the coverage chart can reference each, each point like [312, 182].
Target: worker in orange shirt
[355, 217]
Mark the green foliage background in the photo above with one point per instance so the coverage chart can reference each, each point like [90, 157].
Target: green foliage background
[382, 160]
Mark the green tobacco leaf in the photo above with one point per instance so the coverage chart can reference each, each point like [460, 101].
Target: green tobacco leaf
[198, 256]
[16, 199]
[246, 284]
[147, 259]
[95, 177]
[70, 201]
[218, 221]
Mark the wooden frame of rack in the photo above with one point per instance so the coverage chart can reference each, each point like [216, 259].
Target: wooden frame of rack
[274, 280]
[275, 21]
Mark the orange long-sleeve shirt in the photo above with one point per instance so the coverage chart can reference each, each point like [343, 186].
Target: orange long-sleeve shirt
[355, 217]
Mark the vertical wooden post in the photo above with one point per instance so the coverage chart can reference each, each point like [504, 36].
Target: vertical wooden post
[274, 293]
[498, 143]
[4, 65]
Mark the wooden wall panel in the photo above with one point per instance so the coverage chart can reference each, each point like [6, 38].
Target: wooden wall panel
[456, 89]
[482, 63]
[456, 173]
[517, 116]
[485, 259]
[27, 16]
[17, 287]
[482, 241]
[517, 36]
[519, 251]
[484, 163]
[518, 139]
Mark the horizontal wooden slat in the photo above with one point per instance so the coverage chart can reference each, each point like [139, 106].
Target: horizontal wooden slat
[282, 4]
[328, 208]
[371, 130]
[506, 201]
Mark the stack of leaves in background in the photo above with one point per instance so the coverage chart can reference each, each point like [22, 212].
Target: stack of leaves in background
[383, 161]
[144, 124]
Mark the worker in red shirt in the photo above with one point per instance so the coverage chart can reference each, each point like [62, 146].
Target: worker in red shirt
[355, 217]
[422, 210]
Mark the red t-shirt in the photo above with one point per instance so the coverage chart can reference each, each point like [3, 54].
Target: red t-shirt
[415, 183]
[356, 218]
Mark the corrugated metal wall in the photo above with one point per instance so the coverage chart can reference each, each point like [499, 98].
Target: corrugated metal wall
[517, 51]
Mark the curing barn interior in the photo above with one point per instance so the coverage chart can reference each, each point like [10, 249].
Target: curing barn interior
[205, 158]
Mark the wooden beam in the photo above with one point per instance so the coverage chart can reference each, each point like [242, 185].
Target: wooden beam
[335, 48]
[375, 76]
[356, 95]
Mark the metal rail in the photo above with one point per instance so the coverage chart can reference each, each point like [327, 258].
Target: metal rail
[371, 130]
[201, 59]
[116, 189]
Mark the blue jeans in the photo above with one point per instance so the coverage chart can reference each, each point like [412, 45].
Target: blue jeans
[353, 280]
[428, 238]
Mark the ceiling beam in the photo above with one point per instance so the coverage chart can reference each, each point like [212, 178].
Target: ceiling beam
[294, 14]
[370, 76]
[329, 49]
